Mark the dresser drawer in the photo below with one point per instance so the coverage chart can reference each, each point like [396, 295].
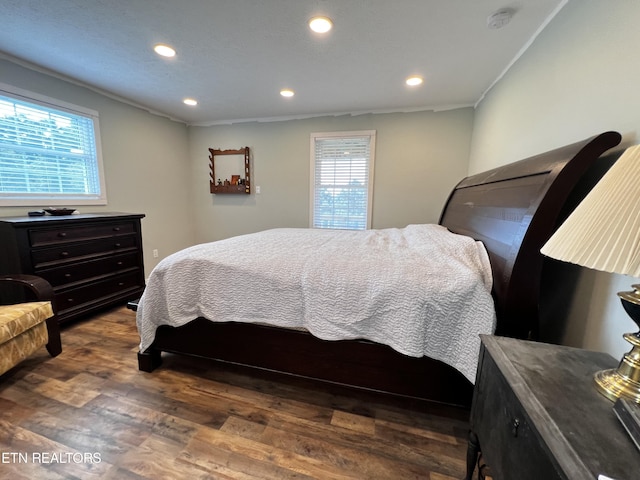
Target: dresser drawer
[47, 257]
[92, 260]
[70, 273]
[510, 445]
[71, 233]
[97, 292]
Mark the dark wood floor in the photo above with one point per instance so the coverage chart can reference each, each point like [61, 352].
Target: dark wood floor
[90, 413]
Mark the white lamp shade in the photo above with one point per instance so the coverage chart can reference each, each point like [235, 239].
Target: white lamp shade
[603, 232]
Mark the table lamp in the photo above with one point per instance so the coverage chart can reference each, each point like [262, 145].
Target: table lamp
[603, 233]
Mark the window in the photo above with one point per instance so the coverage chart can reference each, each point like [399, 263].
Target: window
[342, 179]
[49, 152]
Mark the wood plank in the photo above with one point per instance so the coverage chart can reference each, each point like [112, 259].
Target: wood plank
[202, 419]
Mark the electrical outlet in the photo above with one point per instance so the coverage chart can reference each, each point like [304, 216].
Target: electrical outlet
[257, 189]
[155, 253]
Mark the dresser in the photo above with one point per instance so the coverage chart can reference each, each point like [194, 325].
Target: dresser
[536, 415]
[91, 260]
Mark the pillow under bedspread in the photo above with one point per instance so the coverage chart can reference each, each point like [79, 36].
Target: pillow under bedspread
[420, 289]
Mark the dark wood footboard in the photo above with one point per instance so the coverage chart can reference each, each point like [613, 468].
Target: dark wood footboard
[355, 363]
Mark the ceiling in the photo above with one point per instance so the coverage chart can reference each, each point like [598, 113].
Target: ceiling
[234, 56]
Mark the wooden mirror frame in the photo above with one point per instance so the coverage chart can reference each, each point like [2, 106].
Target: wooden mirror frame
[243, 188]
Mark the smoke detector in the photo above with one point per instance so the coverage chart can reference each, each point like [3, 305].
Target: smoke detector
[499, 19]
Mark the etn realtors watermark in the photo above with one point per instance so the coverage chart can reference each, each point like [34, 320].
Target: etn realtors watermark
[50, 457]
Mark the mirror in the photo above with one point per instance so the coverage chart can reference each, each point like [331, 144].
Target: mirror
[232, 174]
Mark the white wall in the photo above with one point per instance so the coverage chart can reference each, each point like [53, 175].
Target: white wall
[579, 78]
[419, 158]
[145, 161]
[160, 167]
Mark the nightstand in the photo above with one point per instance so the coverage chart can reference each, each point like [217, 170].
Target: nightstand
[537, 415]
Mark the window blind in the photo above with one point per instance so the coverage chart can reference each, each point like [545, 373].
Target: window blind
[341, 196]
[47, 154]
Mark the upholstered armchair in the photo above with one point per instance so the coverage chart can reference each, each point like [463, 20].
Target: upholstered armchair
[27, 326]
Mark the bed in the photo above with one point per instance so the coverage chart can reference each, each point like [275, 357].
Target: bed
[511, 210]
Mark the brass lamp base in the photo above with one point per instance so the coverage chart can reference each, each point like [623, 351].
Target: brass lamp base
[625, 380]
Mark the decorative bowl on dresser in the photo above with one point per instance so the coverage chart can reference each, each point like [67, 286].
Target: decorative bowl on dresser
[91, 260]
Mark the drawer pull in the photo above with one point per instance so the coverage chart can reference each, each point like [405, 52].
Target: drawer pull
[119, 264]
[116, 229]
[62, 234]
[514, 427]
[70, 300]
[117, 245]
[67, 275]
[64, 254]
[121, 284]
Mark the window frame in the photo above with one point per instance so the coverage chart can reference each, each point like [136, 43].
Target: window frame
[370, 175]
[44, 199]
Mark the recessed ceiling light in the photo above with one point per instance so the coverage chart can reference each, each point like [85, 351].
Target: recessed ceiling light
[190, 101]
[320, 24]
[287, 92]
[414, 81]
[164, 50]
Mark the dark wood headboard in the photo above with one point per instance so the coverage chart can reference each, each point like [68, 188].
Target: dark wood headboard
[514, 210]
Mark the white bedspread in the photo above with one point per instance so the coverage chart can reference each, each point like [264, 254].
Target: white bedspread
[420, 289]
